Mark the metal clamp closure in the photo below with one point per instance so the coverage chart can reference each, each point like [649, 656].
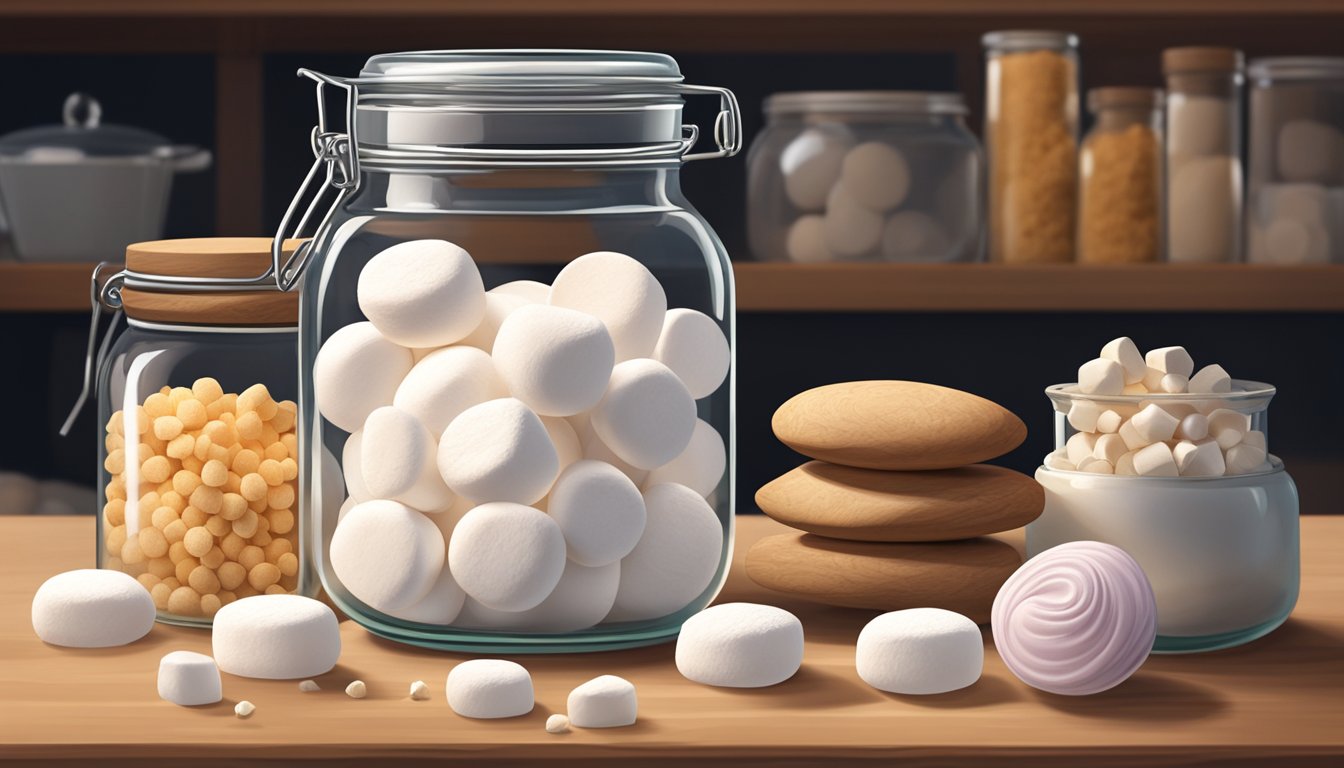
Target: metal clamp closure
[102, 294]
[727, 124]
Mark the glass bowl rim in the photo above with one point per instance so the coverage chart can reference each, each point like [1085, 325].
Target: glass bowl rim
[1242, 390]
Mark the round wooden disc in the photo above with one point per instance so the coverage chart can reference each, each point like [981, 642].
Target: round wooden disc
[208, 257]
[243, 308]
[204, 256]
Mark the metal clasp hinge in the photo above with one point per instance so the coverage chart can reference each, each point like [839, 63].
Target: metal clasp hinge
[727, 124]
[102, 294]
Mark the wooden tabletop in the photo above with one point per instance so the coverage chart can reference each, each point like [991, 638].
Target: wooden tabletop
[1278, 701]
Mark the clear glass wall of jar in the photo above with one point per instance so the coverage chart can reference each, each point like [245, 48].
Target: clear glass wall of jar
[1031, 138]
[1204, 154]
[581, 153]
[199, 461]
[912, 191]
[1120, 167]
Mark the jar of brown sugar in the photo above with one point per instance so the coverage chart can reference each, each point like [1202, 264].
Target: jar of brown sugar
[1120, 208]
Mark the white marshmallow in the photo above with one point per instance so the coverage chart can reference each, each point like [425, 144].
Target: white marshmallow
[1110, 448]
[1170, 360]
[1193, 427]
[1083, 415]
[276, 637]
[811, 164]
[852, 229]
[1133, 440]
[1309, 150]
[599, 510]
[1155, 461]
[1101, 377]
[914, 237]
[440, 607]
[1059, 460]
[1211, 379]
[351, 458]
[805, 242]
[532, 291]
[555, 360]
[244, 709]
[445, 383]
[1096, 466]
[498, 451]
[1174, 383]
[498, 306]
[1125, 352]
[386, 554]
[567, 446]
[557, 724]
[1152, 382]
[1109, 422]
[92, 608]
[1178, 410]
[356, 371]
[595, 449]
[1228, 427]
[309, 686]
[740, 645]
[619, 291]
[603, 702]
[489, 688]
[694, 347]
[647, 415]
[422, 293]
[700, 467]
[1245, 458]
[582, 599]
[676, 558]
[397, 461]
[419, 691]
[1137, 389]
[920, 651]
[1080, 446]
[357, 689]
[507, 556]
[1199, 459]
[189, 679]
[346, 506]
[877, 175]
[1154, 425]
[1125, 465]
[1256, 438]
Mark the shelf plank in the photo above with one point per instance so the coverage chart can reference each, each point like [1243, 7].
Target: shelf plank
[31, 287]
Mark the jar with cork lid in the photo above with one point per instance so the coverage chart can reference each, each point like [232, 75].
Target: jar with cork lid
[198, 461]
[1120, 210]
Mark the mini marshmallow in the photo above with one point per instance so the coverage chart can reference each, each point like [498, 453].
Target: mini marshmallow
[555, 360]
[557, 724]
[805, 242]
[507, 556]
[350, 469]
[694, 347]
[567, 446]
[676, 558]
[700, 467]
[386, 554]
[1256, 438]
[1109, 422]
[489, 688]
[619, 291]
[1245, 458]
[1199, 459]
[530, 290]
[419, 691]
[852, 229]
[1126, 353]
[357, 689]
[1155, 461]
[447, 382]
[1059, 460]
[398, 461]
[1228, 427]
[647, 415]
[1136, 389]
[603, 702]
[356, 371]
[583, 598]
[92, 608]
[498, 306]
[276, 637]
[1133, 440]
[309, 686]
[1174, 383]
[498, 451]
[1096, 466]
[1170, 360]
[811, 164]
[1101, 377]
[422, 293]
[920, 651]
[1083, 415]
[1125, 465]
[440, 607]
[600, 511]
[189, 679]
[1152, 382]
[244, 709]
[1211, 379]
[740, 645]
[1193, 427]
[876, 175]
[1080, 447]
[1110, 448]
[1154, 425]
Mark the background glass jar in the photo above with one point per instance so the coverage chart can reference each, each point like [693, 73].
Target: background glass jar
[1120, 168]
[1220, 550]
[865, 175]
[1031, 138]
[1296, 192]
[199, 462]
[527, 160]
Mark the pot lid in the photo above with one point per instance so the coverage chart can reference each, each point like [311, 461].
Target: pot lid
[80, 135]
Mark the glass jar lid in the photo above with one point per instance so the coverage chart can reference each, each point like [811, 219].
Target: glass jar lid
[1297, 68]
[1019, 40]
[1201, 59]
[521, 68]
[1124, 97]
[866, 102]
[82, 134]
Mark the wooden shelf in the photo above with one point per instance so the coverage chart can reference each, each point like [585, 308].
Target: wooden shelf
[33, 287]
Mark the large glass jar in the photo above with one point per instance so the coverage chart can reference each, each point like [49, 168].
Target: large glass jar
[1120, 167]
[511, 165]
[199, 462]
[867, 175]
[1031, 137]
[1219, 543]
[1296, 185]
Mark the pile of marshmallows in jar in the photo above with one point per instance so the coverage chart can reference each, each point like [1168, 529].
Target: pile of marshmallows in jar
[527, 458]
[1194, 437]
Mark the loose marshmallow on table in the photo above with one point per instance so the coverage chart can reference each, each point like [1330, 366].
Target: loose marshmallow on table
[852, 229]
[603, 702]
[1199, 459]
[806, 240]
[647, 415]
[700, 467]
[675, 559]
[740, 645]
[189, 679]
[498, 451]
[356, 371]
[811, 164]
[531, 290]
[557, 724]
[507, 556]
[276, 637]
[876, 175]
[583, 598]
[445, 383]
[1101, 377]
[441, 606]
[387, 554]
[498, 306]
[693, 346]
[398, 461]
[1211, 379]
[556, 360]
[920, 651]
[600, 511]
[422, 293]
[92, 608]
[620, 292]
[490, 688]
[1125, 352]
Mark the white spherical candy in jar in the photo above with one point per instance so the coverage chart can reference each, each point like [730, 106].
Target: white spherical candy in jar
[920, 651]
[276, 637]
[422, 293]
[490, 688]
[647, 415]
[599, 510]
[440, 606]
[386, 554]
[806, 240]
[498, 306]
[852, 229]
[740, 645]
[675, 559]
[555, 360]
[92, 608]
[693, 346]
[356, 371]
[507, 556]
[397, 461]
[581, 599]
[876, 175]
[700, 467]
[811, 164]
[445, 383]
[914, 236]
[498, 451]
[620, 292]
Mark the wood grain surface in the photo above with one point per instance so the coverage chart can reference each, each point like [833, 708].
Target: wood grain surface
[1278, 701]
[872, 505]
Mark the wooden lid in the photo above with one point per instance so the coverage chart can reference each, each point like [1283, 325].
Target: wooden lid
[1201, 59]
[206, 257]
[1124, 97]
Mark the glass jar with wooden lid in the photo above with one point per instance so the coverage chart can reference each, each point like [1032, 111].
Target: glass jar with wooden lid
[1120, 168]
